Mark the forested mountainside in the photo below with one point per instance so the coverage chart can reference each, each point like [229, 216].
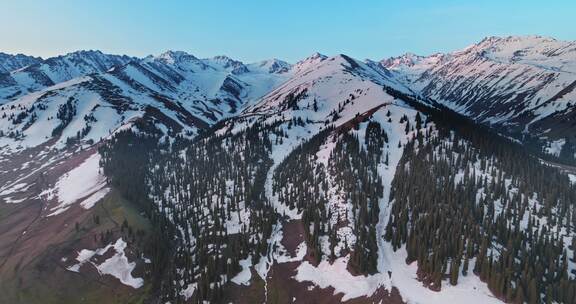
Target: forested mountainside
[464, 203]
[466, 196]
[177, 179]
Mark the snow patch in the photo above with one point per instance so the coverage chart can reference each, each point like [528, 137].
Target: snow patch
[94, 198]
[555, 147]
[84, 181]
[469, 289]
[238, 220]
[15, 188]
[243, 278]
[117, 266]
[572, 178]
[337, 276]
[189, 291]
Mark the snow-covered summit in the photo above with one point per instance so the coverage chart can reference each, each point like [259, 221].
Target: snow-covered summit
[523, 83]
[411, 60]
[89, 60]
[10, 62]
[174, 89]
[408, 59]
[271, 66]
[308, 62]
[328, 82]
[174, 57]
[234, 66]
[539, 51]
[55, 70]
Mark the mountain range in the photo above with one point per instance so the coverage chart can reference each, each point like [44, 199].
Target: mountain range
[170, 178]
[523, 86]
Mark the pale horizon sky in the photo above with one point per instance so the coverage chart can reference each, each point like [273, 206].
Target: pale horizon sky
[253, 30]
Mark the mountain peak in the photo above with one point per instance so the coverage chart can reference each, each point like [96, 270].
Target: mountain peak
[173, 57]
[85, 52]
[309, 61]
[9, 62]
[19, 55]
[95, 58]
[411, 60]
[516, 38]
[316, 56]
[272, 66]
[544, 52]
[407, 59]
[224, 58]
[536, 43]
[234, 66]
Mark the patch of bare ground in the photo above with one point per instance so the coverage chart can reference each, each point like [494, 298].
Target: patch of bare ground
[35, 249]
[284, 288]
[27, 231]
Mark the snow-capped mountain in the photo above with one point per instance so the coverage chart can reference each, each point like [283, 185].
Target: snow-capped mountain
[309, 142]
[55, 70]
[523, 84]
[173, 178]
[10, 63]
[271, 66]
[329, 81]
[324, 97]
[176, 89]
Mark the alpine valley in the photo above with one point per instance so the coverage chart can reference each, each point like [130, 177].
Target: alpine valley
[448, 178]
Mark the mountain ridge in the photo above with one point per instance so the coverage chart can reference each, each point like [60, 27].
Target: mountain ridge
[10, 62]
[178, 179]
[521, 85]
[537, 110]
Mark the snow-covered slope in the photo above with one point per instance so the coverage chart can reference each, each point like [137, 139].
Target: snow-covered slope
[217, 87]
[271, 66]
[525, 84]
[330, 83]
[175, 89]
[10, 63]
[54, 70]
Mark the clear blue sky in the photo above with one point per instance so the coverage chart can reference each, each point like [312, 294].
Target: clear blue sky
[251, 30]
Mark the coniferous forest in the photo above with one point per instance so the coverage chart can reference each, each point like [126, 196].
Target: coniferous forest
[468, 201]
[465, 202]
[208, 199]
